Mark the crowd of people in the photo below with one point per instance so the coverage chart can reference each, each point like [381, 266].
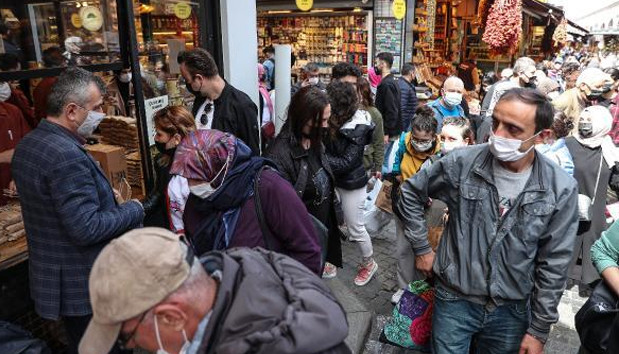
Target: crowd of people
[516, 172]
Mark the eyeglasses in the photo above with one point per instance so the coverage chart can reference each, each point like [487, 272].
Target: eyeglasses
[207, 109]
[124, 339]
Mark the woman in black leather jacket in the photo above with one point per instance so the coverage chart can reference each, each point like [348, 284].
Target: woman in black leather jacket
[350, 130]
[299, 154]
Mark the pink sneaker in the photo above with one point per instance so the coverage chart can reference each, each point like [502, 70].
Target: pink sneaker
[365, 273]
[329, 271]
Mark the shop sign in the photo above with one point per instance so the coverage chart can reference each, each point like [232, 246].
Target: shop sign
[182, 10]
[399, 9]
[91, 17]
[305, 5]
[76, 21]
[151, 106]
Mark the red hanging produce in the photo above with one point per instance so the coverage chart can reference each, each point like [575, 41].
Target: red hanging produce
[504, 26]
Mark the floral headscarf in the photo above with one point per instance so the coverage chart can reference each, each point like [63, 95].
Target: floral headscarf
[202, 154]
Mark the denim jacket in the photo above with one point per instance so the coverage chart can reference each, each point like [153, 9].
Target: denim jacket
[488, 259]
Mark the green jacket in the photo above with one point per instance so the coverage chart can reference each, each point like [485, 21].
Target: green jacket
[374, 153]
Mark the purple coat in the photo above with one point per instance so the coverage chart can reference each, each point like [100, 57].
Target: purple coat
[285, 215]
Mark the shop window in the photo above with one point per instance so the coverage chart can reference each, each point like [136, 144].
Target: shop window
[85, 31]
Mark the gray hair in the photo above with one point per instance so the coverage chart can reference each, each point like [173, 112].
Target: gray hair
[72, 87]
[522, 64]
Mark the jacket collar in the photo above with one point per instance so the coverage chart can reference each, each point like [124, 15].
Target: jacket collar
[482, 166]
[60, 130]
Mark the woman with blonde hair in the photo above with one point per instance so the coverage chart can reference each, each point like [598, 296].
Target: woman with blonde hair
[164, 206]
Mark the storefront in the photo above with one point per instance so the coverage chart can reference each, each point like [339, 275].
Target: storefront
[332, 31]
[108, 37]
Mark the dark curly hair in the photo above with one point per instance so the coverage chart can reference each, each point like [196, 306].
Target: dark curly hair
[424, 120]
[562, 125]
[344, 103]
[342, 69]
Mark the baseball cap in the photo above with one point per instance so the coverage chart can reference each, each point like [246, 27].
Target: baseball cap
[132, 274]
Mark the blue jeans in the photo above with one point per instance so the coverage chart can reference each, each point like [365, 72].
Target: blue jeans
[497, 330]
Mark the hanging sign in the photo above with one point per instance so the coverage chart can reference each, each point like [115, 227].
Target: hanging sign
[151, 106]
[305, 5]
[76, 21]
[182, 10]
[91, 17]
[399, 9]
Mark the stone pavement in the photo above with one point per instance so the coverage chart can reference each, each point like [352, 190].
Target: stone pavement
[369, 307]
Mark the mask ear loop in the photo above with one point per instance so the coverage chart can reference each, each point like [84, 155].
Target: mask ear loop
[157, 333]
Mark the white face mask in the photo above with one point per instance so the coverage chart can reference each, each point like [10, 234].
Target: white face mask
[506, 149]
[90, 123]
[449, 146]
[453, 98]
[554, 94]
[184, 348]
[205, 190]
[313, 80]
[125, 77]
[422, 147]
[5, 91]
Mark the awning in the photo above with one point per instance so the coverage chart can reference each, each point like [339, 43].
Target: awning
[542, 11]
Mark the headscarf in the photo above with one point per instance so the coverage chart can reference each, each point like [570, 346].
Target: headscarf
[601, 121]
[201, 155]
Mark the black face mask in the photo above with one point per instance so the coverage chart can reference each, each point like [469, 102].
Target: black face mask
[377, 71]
[163, 150]
[530, 84]
[595, 95]
[191, 90]
[585, 129]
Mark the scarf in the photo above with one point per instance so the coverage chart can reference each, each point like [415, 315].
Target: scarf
[220, 211]
[602, 121]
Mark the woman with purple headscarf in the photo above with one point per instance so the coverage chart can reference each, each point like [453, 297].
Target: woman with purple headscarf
[220, 212]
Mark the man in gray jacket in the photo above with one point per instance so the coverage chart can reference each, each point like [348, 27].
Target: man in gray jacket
[501, 264]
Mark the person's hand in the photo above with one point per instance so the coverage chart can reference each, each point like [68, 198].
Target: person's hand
[386, 139]
[531, 345]
[305, 83]
[378, 175]
[424, 263]
[12, 187]
[118, 196]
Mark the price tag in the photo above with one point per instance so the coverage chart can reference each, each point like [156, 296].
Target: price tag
[182, 10]
[399, 9]
[305, 5]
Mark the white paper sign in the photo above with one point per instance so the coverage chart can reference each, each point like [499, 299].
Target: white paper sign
[151, 106]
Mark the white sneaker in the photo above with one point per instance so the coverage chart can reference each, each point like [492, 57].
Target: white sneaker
[395, 298]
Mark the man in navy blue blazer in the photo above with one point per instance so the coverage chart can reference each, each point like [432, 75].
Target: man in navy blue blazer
[68, 206]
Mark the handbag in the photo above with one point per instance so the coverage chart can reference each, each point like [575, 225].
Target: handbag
[321, 230]
[410, 325]
[594, 320]
[584, 202]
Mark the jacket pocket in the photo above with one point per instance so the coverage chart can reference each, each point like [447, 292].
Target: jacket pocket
[534, 222]
[471, 201]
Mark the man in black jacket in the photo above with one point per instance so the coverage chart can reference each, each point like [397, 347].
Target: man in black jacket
[408, 95]
[218, 104]
[388, 100]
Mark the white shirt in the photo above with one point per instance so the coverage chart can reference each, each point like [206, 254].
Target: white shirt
[178, 193]
[209, 115]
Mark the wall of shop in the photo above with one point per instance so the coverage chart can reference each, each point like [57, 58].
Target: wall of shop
[239, 44]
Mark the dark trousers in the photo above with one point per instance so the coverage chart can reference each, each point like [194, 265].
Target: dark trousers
[75, 326]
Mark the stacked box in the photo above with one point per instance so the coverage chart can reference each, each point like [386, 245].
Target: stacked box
[121, 131]
[134, 169]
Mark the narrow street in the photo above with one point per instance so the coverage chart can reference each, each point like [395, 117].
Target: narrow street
[369, 307]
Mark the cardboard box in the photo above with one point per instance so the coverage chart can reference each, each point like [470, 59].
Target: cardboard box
[112, 161]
